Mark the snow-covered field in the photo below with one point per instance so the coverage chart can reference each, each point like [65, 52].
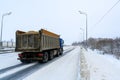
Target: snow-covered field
[102, 67]
[65, 67]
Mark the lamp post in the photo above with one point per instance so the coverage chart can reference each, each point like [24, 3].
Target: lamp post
[83, 32]
[5, 14]
[86, 24]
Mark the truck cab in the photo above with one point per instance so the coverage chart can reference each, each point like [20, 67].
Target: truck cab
[61, 41]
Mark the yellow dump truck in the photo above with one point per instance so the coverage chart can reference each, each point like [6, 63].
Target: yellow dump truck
[39, 45]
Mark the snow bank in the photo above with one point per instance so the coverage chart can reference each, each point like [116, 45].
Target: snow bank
[84, 72]
[102, 67]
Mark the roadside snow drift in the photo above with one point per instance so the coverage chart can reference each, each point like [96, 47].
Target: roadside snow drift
[102, 67]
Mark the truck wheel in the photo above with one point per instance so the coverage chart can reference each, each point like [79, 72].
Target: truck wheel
[51, 56]
[45, 57]
[58, 53]
[61, 51]
[25, 61]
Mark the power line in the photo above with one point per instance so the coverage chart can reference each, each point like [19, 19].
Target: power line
[107, 12]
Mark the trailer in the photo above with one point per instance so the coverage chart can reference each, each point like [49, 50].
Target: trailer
[39, 45]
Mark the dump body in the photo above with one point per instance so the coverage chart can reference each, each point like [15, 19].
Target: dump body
[33, 41]
[49, 40]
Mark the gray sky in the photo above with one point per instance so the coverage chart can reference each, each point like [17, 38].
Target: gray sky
[61, 17]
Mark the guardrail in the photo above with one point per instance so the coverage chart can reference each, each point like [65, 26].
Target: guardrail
[7, 47]
[10, 50]
[7, 44]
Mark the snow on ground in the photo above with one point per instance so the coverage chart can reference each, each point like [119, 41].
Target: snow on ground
[65, 68]
[102, 67]
[67, 47]
[16, 69]
[8, 59]
[6, 50]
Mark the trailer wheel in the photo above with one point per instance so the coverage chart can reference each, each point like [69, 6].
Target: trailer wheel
[51, 56]
[45, 57]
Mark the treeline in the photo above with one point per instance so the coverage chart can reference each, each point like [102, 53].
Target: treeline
[107, 45]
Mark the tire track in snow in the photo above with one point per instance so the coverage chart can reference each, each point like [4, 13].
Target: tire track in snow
[19, 75]
[11, 67]
[68, 50]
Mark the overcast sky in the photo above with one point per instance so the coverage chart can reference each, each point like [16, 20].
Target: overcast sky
[61, 17]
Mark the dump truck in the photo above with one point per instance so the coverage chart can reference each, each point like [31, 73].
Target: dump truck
[41, 45]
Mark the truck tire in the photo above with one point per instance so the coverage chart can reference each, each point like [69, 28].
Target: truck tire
[58, 53]
[51, 55]
[25, 61]
[61, 51]
[45, 57]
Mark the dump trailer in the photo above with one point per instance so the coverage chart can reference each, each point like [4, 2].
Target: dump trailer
[39, 45]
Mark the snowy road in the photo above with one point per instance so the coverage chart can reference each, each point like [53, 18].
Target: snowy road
[64, 67]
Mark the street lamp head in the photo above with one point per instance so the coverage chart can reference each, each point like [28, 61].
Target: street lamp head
[9, 13]
[80, 12]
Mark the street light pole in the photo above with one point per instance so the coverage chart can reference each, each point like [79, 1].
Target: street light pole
[2, 26]
[86, 29]
[86, 24]
[83, 32]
